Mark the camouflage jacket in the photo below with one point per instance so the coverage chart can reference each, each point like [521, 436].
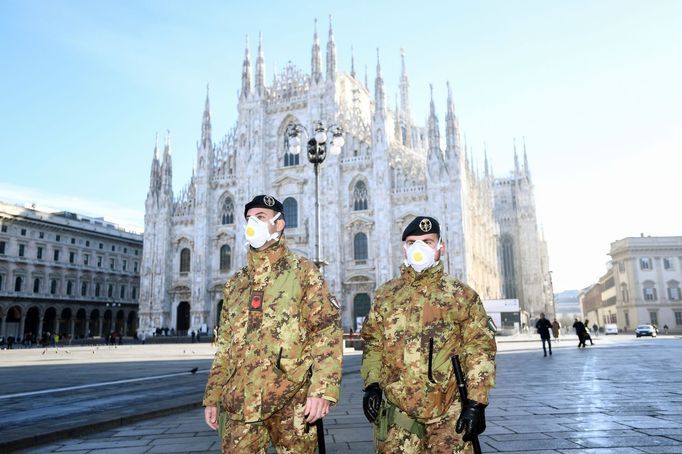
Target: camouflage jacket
[425, 318]
[279, 324]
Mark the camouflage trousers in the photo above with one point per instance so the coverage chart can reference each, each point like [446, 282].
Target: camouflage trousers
[286, 429]
[440, 438]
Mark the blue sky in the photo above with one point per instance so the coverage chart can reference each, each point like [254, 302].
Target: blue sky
[593, 86]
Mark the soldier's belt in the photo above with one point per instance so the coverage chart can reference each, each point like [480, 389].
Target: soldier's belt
[389, 415]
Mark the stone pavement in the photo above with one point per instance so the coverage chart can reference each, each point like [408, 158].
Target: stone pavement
[620, 396]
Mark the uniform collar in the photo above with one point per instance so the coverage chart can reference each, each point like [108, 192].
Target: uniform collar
[433, 273]
[260, 260]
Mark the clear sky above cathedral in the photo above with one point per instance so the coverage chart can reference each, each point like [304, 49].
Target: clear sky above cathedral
[594, 87]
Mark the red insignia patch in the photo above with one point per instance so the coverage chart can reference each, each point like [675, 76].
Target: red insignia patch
[256, 301]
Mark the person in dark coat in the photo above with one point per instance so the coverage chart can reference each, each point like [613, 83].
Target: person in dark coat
[544, 326]
[580, 331]
[588, 337]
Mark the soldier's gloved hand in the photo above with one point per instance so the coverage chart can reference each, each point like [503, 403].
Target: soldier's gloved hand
[472, 419]
[371, 402]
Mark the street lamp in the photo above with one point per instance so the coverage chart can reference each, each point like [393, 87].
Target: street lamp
[332, 135]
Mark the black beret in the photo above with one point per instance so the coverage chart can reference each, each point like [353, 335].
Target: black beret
[264, 201]
[422, 225]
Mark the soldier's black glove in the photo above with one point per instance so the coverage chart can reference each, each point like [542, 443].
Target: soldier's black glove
[371, 402]
[472, 419]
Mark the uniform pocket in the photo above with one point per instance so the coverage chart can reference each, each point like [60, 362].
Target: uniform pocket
[286, 378]
[440, 364]
[232, 397]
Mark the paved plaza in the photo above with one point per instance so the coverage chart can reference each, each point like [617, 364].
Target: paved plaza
[620, 396]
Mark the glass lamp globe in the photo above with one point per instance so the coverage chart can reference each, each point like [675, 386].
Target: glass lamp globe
[320, 136]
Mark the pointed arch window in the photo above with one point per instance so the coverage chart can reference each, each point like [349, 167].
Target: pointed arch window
[225, 258]
[360, 196]
[291, 212]
[184, 260]
[360, 246]
[227, 211]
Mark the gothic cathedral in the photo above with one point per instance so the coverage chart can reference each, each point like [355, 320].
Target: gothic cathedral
[389, 171]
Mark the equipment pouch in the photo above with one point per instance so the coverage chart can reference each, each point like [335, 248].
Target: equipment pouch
[383, 421]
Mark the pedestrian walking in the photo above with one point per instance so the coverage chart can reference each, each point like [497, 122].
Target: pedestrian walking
[556, 330]
[277, 370]
[580, 331]
[595, 329]
[587, 332]
[543, 326]
[417, 323]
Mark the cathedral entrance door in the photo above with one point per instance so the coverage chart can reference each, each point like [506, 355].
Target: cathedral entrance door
[182, 318]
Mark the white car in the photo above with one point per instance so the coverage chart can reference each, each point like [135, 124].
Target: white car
[645, 330]
[610, 328]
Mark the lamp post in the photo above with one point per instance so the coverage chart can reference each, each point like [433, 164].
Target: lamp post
[323, 136]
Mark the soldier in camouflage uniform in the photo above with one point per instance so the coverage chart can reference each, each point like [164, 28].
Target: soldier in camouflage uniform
[278, 365]
[417, 323]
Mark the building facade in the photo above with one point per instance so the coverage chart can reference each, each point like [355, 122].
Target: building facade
[523, 254]
[66, 274]
[568, 307]
[646, 273]
[390, 170]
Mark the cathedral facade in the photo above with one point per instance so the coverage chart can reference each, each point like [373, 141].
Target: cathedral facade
[390, 170]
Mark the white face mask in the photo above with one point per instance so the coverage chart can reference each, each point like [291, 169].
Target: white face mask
[420, 256]
[257, 233]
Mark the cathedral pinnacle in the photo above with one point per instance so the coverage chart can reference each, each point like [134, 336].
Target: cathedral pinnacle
[156, 148]
[398, 130]
[451, 127]
[166, 147]
[155, 174]
[167, 167]
[434, 133]
[246, 72]
[352, 62]
[405, 111]
[379, 95]
[331, 53]
[451, 104]
[316, 58]
[206, 124]
[260, 67]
